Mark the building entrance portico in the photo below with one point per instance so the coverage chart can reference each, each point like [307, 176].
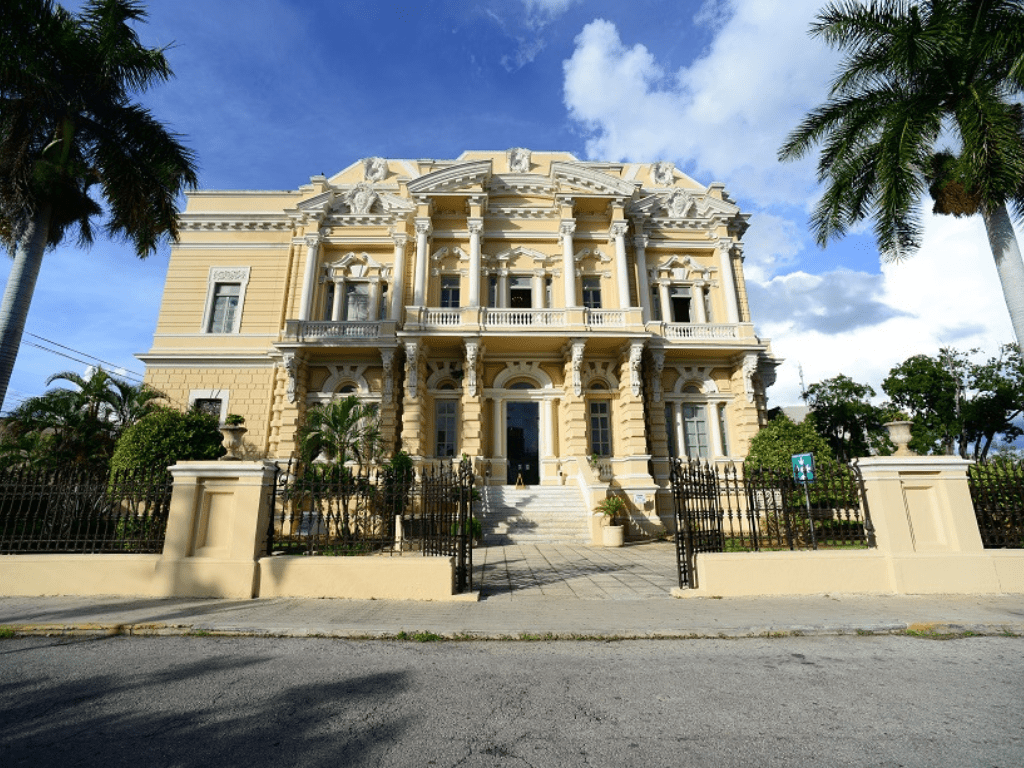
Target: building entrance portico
[522, 438]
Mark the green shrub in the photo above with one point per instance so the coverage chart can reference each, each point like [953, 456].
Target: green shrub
[165, 437]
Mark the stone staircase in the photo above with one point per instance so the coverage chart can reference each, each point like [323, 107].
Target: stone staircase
[535, 515]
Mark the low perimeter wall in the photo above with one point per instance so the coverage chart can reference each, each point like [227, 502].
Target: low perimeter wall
[216, 538]
[927, 543]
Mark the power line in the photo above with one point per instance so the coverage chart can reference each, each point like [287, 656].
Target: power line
[69, 357]
[136, 374]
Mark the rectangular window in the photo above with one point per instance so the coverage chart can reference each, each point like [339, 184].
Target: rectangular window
[695, 431]
[592, 292]
[600, 428]
[492, 292]
[225, 307]
[329, 290]
[445, 422]
[382, 312]
[680, 298]
[357, 302]
[208, 405]
[520, 293]
[450, 292]
[547, 293]
[655, 303]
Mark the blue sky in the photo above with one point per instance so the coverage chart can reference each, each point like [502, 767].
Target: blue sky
[270, 93]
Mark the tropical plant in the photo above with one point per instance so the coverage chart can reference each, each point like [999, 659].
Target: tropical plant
[167, 436]
[341, 430]
[68, 124]
[613, 508]
[917, 74]
[111, 399]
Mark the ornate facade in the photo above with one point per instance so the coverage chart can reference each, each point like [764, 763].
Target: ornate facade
[558, 321]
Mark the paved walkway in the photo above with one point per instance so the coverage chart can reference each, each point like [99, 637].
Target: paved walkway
[563, 591]
[643, 571]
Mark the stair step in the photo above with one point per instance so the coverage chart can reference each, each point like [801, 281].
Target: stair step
[553, 514]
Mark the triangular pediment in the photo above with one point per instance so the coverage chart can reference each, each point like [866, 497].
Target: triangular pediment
[464, 177]
[576, 177]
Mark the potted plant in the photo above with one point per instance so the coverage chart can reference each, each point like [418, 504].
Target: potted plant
[232, 429]
[614, 510]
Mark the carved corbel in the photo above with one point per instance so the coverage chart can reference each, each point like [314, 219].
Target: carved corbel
[472, 357]
[387, 356]
[636, 354]
[658, 366]
[291, 368]
[412, 366]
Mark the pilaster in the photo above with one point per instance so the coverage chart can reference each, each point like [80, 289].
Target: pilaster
[414, 415]
[471, 440]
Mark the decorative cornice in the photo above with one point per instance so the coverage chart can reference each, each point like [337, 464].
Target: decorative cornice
[590, 180]
[458, 177]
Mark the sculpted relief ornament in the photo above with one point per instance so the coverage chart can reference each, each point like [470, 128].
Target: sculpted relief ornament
[663, 173]
[472, 354]
[387, 358]
[636, 352]
[658, 360]
[375, 168]
[291, 368]
[519, 160]
[361, 198]
[679, 204]
[577, 366]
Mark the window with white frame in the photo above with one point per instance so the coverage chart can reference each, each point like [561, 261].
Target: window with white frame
[695, 430]
[211, 401]
[445, 425]
[450, 292]
[357, 302]
[225, 297]
[592, 292]
[601, 427]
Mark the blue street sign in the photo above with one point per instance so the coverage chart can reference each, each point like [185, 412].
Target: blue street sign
[803, 467]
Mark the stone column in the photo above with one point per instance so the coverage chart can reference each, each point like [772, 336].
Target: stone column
[339, 298]
[697, 303]
[617, 233]
[398, 278]
[476, 228]
[423, 229]
[666, 304]
[565, 230]
[309, 277]
[502, 297]
[537, 289]
[642, 286]
[732, 308]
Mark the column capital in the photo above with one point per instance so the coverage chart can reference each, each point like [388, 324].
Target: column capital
[617, 230]
[641, 240]
[400, 239]
[567, 227]
[424, 226]
[313, 241]
[475, 226]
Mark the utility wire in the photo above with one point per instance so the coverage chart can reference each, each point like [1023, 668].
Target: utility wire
[69, 357]
[136, 374]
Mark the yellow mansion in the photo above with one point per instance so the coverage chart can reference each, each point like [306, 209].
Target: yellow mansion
[563, 323]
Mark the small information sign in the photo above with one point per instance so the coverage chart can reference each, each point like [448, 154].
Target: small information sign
[803, 467]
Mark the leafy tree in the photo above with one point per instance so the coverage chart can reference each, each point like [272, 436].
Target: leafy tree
[167, 436]
[774, 446]
[917, 73]
[956, 404]
[843, 414]
[111, 399]
[68, 124]
[341, 430]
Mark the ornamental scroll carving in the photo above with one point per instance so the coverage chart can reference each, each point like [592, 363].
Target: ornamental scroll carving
[387, 357]
[472, 356]
[658, 363]
[749, 372]
[636, 353]
[228, 275]
[291, 368]
[679, 204]
[412, 364]
[361, 198]
[577, 367]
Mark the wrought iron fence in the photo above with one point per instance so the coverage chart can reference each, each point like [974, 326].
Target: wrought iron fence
[329, 509]
[61, 512]
[721, 509]
[997, 490]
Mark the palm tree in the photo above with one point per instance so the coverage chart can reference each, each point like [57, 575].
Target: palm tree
[68, 124]
[110, 399]
[917, 74]
[340, 430]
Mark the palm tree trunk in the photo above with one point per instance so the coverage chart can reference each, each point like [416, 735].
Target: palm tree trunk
[28, 257]
[1006, 251]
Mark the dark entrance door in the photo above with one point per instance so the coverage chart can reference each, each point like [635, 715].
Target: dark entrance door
[522, 427]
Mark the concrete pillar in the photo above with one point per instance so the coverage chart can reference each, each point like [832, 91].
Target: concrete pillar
[643, 288]
[732, 307]
[339, 298]
[423, 229]
[309, 277]
[476, 228]
[697, 303]
[398, 278]
[617, 233]
[565, 230]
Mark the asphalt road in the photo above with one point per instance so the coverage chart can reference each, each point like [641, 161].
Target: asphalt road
[205, 701]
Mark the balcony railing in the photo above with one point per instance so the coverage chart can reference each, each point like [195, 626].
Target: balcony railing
[605, 318]
[314, 330]
[522, 318]
[701, 331]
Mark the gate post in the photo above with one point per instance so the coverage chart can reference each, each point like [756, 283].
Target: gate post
[216, 528]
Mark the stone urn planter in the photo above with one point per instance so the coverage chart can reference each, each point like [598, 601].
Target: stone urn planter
[614, 509]
[613, 535]
[899, 433]
[232, 430]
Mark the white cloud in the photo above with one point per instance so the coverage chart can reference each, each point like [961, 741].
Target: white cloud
[862, 325]
[748, 90]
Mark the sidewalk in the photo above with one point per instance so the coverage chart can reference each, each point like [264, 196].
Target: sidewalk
[536, 591]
